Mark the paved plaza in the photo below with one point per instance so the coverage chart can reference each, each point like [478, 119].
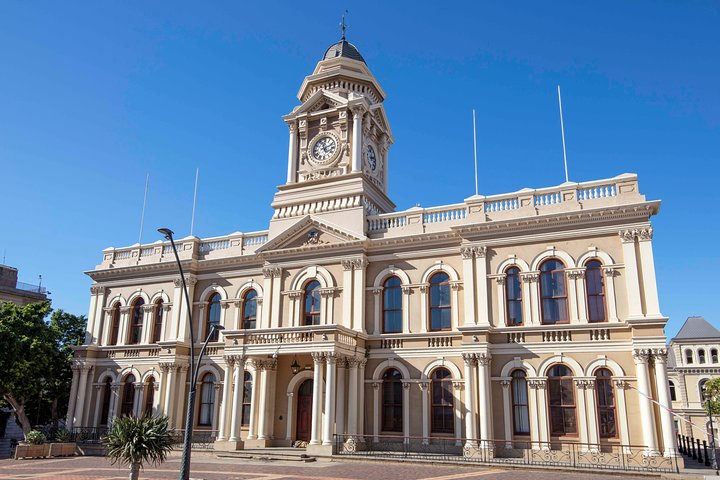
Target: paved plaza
[207, 466]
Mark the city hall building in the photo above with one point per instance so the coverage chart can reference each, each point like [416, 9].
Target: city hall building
[528, 318]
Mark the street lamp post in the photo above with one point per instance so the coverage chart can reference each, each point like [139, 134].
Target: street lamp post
[185, 464]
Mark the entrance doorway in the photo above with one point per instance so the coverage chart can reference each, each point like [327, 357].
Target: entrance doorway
[304, 411]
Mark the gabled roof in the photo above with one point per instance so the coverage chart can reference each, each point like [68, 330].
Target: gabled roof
[697, 327]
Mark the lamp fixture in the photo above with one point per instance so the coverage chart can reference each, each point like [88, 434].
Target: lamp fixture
[295, 366]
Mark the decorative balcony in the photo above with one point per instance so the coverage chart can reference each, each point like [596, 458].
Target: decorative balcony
[305, 339]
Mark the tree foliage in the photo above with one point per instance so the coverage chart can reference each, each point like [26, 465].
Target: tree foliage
[35, 358]
[712, 392]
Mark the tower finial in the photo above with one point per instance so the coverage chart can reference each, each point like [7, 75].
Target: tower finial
[343, 26]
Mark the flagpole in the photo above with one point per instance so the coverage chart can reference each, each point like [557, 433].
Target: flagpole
[192, 220]
[562, 130]
[475, 152]
[142, 216]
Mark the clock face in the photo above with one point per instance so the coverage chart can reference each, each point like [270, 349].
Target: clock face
[324, 148]
[371, 158]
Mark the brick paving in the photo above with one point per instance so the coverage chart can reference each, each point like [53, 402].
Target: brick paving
[208, 467]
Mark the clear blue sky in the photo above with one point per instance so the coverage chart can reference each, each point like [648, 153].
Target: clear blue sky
[94, 95]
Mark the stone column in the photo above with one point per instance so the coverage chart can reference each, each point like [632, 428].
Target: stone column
[358, 112]
[290, 419]
[347, 293]
[468, 253]
[406, 290]
[270, 382]
[406, 411]
[610, 274]
[340, 397]
[663, 390]
[571, 289]
[578, 278]
[148, 322]
[425, 412]
[632, 282]
[649, 283]
[180, 402]
[424, 317]
[501, 314]
[592, 413]
[457, 408]
[483, 303]
[138, 399]
[292, 155]
[82, 395]
[156, 396]
[539, 413]
[642, 358]
[378, 302]
[114, 399]
[376, 411]
[183, 328]
[264, 400]
[582, 414]
[123, 337]
[454, 301]
[168, 369]
[361, 397]
[254, 406]
[98, 403]
[507, 411]
[620, 386]
[318, 361]
[470, 432]
[531, 308]
[229, 386]
[92, 317]
[329, 419]
[359, 266]
[268, 274]
[70, 418]
[485, 408]
[352, 420]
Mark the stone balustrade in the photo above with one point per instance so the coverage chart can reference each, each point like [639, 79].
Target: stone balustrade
[567, 197]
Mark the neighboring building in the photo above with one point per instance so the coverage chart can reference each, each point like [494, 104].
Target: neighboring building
[530, 316]
[693, 360]
[18, 292]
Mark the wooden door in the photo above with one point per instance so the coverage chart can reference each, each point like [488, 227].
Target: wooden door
[304, 411]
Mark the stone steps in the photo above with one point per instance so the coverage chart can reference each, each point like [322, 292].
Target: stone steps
[270, 454]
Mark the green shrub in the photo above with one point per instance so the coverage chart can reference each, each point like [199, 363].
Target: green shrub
[35, 437]
[62, 436]
[138, 440]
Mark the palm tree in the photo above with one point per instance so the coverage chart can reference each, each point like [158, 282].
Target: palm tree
[138, 440]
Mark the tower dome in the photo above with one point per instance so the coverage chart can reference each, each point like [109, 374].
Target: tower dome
[343, 48]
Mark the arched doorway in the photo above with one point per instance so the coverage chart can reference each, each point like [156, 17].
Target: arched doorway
[304, 411]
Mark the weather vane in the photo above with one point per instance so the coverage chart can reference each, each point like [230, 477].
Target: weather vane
[343, 26]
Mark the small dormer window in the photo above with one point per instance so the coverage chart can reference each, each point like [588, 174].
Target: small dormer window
[701, 356]
[688, 356]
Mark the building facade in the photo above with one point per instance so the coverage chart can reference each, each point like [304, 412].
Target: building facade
[18, 292]
[530, 317]
[693, 360]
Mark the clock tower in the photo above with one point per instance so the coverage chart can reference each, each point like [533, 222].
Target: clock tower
[337, 167]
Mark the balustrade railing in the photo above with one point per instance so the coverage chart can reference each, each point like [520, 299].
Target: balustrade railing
[504, 452]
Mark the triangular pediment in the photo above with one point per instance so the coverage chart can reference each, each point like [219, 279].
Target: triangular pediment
[321, 100]
[309, 232]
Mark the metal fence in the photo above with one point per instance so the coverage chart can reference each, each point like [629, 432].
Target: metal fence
[201, 439]
[554, 454]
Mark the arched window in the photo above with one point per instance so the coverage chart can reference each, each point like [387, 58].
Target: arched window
[136, 321]
[595, 288]
[392, 305]
[392, 404]
[114, 324]
[521, 413]
[688, 356]
[149, 396]
[249, 311]
[128, 399]
[213, 316]
[605, 403]
[714, 355]
[312, 303]
[207, 400]
[701, 355]
[513, 296]
[107, 393]
[246, 399]
[701, 389]
[673, 392]
[561, 396]
[439, 302]
[441, 417]
[553, 292]
[157, 324]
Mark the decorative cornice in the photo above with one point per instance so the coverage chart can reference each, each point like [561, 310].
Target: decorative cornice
[271, 271]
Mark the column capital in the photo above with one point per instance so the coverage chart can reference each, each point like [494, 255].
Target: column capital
[292, 126]
[627, 235]
[575, 273]
[467, 251]
[353, 362]
[505, 383]
[97, 290]
[148, 308]
[424, 385]
[484, 359]
[470, 359]
[645, 234]
[621, 383]
[376, 385]
[584, 383]
[458, 385]
[610, 271]
[537, 383]
[660, 355]
[530, 277]
[642, 355]
[257, 364]
[271, 271]
[318, 357]
[331, 358]
[125, 309]
[190, 281]
[405, 384]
